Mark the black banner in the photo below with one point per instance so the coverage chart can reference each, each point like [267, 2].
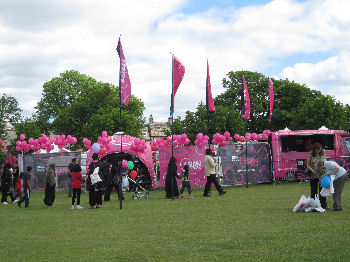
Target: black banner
[236, 158]
[41, 162]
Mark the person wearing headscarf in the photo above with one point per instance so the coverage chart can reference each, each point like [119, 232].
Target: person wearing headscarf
[171, 188]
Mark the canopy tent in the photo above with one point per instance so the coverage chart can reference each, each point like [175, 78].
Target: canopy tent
[144, 156]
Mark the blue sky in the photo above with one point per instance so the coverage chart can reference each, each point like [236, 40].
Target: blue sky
[304, 41]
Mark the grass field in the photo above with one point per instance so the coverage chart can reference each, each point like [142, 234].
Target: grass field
[246, 224]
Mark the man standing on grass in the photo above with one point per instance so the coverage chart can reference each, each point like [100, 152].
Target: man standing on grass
[27, 188]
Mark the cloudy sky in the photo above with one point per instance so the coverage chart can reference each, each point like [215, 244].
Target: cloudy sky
[304, 41]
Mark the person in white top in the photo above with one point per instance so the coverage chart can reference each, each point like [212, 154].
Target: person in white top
[210, 172]
[332, 168]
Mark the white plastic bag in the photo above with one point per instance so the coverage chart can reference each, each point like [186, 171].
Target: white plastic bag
[301, 203]
[95, 177]
[125, 182]
[331, 184]
[326, 192]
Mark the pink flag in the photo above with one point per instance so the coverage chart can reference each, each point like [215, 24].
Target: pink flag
[245, 107]
[272, 97]
[178, 74]
[124, 80]
[210, 101]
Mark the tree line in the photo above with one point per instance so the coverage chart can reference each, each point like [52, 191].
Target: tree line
[79, 105]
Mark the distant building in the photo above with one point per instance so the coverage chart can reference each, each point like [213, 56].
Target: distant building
[10, 134]
[153, 130]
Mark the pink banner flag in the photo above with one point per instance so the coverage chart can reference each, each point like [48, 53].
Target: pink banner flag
[124, 80]
[245, 106]
[210, 101]
[272, 97]
[177, 75]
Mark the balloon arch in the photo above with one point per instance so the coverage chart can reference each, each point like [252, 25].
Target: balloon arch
[127, 151]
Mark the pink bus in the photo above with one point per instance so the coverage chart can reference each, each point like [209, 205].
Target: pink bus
[290, 150]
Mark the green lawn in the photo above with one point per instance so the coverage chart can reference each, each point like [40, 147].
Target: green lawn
[246, 224]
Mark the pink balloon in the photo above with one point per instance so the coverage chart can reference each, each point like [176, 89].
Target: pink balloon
[124, 164]
[254, 136]
[204, 143]
[230, 139]
[104, 134]
[215, 141]
[206, 137]
[18, 148]
[242, 139]
[216, 136]
[227, 134]
[265, 137]
[18, 143]
[137, 141]
[259, 137]
[199, 135]
[22, 137]
[139, 147]
[236, 137]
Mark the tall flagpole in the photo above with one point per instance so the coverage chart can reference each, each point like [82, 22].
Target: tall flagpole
[121, 136]
[172, 121]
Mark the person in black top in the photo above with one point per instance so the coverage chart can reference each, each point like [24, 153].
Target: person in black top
[70, 170]
[113, 180]
[95, 190]
[171, 189]
[6, 183]
[186, 177]
[27, 188]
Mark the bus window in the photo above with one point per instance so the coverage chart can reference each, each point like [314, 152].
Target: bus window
[347, 143]
[303, 143]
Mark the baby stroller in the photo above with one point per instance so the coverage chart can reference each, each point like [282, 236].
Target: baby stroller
[137, 186]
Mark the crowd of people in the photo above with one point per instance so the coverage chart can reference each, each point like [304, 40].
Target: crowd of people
[103, 176]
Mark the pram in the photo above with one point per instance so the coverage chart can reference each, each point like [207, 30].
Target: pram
[137, 187]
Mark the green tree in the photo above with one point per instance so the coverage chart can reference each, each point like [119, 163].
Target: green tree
[29, 128]
[259, 100]
[9, 112]
[80, 106]
[295, 106]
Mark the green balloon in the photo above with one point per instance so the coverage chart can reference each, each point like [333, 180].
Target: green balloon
[130, 165]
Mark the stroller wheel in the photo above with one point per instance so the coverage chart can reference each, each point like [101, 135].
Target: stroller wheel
[147, 195]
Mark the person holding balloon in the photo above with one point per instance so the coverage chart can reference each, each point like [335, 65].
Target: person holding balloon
[314, 163]
[332, 168]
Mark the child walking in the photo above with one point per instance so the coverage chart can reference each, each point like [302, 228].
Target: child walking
[18, 187]
[76, 183]
[186, 175]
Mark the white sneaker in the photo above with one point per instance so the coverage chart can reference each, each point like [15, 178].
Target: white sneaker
[72, 207]
[15, 201]
[80, 207]
[4, 203]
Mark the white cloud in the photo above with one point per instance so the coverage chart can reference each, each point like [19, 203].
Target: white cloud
[40, 39]
[330, 76]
